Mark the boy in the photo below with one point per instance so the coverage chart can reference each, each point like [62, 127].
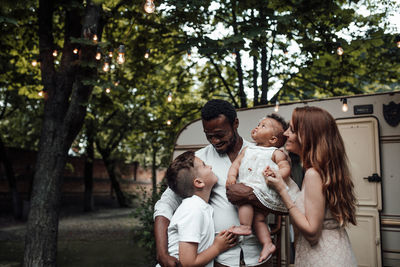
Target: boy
[249, 167]
[191, 230]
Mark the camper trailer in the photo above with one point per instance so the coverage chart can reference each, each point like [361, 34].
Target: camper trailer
[370, 127]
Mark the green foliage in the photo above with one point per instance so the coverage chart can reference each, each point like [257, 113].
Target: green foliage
[144, 234]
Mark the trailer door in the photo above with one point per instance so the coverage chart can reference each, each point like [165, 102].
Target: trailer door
[361, 139]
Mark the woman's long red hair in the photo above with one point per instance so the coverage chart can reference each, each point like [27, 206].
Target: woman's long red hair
[322, 148]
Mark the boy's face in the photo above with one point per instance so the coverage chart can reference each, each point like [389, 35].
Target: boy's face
[205, 172]
[266, 131]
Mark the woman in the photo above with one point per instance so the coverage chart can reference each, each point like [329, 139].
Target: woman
[326, 203]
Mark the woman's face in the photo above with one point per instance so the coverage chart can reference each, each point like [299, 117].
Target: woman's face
[292, 142]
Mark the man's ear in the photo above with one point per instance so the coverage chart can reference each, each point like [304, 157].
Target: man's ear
[198, 182]
[236, 123]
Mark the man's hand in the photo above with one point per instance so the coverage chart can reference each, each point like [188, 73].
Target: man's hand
[239, 194]
[168, 261]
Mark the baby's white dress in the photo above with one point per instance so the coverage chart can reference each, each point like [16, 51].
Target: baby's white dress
[255, 160]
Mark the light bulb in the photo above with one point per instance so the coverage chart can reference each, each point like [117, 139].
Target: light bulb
[110, 53]
[149, 6]
[75, 51]
[34, 63]
[116, 83]
[95, 37]
[234, 53]
[40, 93]
[340, 51]
[147, 54]
[55, 53]
[121, 54]
[398, 44]
[108, 90]
[189, 54]
[106, 66]
[169, 122]
[276, 109]
[345, 107]
[98, 53]
[169, 98]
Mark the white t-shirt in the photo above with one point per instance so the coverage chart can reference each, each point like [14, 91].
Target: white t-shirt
[225, 214]
[191, 222]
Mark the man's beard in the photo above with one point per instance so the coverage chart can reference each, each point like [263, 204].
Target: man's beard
[232, 143]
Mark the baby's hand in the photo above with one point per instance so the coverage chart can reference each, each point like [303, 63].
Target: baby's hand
[225, 240]
[231, 180]
[268, 172]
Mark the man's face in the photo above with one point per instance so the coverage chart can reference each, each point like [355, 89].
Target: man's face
[221, 134]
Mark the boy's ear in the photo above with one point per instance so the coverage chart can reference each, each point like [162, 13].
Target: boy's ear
[198, 182]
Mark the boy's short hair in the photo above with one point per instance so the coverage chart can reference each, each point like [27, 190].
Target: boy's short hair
[281, 138]
[180, 174]
[215, 107]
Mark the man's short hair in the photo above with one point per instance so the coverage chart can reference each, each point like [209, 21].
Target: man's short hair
[180, 174]
[215, 107]
[281, 137]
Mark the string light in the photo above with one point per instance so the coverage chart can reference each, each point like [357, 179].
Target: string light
[98, 53]
[147, 54]
[121, 54]
[169, 122]
[106, 66]
[149, 6]
[34, 63]
[276, 109]
[110, 52]
[340, 50]
[75, 51]
[40, 93]
[108, 90]
[55, 53]
[234, 53]
[345, 107]
[398, 41]
[116, 83]
[95, 38]
[189, 54]
[169, 98]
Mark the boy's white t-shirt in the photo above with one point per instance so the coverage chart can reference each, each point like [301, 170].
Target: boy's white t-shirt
[191, 222]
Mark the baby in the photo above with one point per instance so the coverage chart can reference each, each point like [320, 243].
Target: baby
[248, 168]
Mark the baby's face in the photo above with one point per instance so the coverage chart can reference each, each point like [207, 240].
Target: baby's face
[266, 131]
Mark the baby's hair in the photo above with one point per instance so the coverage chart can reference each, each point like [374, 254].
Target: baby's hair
[215, 107]
[180, 174]
[281, 138]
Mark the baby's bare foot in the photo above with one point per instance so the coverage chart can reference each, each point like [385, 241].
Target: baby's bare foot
[240, 230]
[266, 251]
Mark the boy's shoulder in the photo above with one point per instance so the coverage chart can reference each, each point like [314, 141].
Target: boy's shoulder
[191, 207]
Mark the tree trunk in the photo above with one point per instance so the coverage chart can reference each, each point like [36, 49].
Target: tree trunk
[264, 77]
[110, 166]
[154, 171]
[239, 69]
[12, 182]
[64, 113]
[88, 201]
[255, 77]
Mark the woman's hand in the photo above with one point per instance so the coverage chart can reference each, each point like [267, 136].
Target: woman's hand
[274, 179]
[225, 240]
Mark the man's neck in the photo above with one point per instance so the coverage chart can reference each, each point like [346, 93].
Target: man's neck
[236, 149]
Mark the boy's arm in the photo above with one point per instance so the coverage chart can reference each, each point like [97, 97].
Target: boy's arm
[280, 158]
[188, 250]
[163, 210]
[234, 169]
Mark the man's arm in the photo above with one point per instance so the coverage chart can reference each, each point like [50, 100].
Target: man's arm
[160, 233]
[163, 211]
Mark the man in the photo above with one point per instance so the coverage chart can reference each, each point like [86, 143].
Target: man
[220, 124]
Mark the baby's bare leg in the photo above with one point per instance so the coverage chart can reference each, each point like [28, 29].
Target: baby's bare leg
[246, 213]
[263, 235]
